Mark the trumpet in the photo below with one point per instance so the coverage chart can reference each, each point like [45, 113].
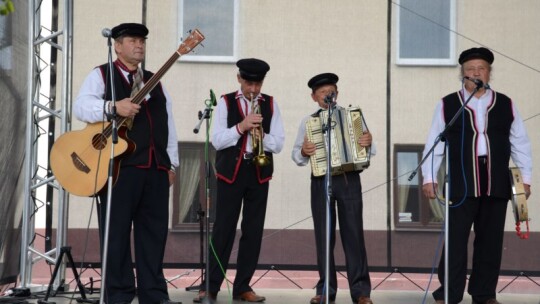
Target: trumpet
[256, 139]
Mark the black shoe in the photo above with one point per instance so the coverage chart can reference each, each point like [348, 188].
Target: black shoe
[167, 301]
[490, 301]
[202, 294]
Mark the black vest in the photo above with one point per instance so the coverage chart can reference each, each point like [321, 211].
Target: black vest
[228, 160]
[150, 131]
[499, 118]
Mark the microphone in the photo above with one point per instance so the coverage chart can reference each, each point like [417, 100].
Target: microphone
[330, 98]
[213, 97]
[206, 113]
[106, 32]
[479, 83]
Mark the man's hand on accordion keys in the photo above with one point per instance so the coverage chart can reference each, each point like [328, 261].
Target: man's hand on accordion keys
[308, 148]
[365, 139]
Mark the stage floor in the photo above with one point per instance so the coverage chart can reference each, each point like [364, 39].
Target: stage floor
[296, 287]
[302, 296]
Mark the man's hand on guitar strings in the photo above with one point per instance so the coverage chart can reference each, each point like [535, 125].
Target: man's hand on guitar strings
[126, 108]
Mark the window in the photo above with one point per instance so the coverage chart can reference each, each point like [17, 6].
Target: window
[217, 20]
[411, 209]
[189, 192]
[425, 32]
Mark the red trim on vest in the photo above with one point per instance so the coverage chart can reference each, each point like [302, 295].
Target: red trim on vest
[237, 168]
[489, 108]
[103, 75]
[121, 65]
[242, 150]
[240, 108]
[104, 71]
[226, 101]
[262, 181]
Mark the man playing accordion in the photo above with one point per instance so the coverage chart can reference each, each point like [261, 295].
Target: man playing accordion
[346, 195]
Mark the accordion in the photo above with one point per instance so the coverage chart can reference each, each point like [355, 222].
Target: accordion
[346, 153]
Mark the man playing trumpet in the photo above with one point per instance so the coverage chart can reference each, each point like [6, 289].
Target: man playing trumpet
[247, 131]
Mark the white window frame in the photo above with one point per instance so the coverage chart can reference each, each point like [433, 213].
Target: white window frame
[451, 61]
[203, 58]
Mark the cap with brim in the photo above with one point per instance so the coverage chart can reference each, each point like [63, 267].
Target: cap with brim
[252, 69]
[322, 79]
[129, 29]
[476, 53]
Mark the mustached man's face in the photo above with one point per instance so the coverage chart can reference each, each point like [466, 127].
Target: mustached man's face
[130, 50]
[476, 69]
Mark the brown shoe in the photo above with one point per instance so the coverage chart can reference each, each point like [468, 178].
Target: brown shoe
[439, 301]
[364, 300]
[319, 299]
[202, 294]
[249, 296]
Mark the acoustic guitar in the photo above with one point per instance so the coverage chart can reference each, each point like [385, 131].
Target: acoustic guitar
[79, 159]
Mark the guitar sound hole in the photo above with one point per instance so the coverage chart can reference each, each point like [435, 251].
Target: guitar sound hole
[99, 141]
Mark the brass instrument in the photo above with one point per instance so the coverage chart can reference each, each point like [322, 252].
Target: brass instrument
[257, 142]
[346, 153]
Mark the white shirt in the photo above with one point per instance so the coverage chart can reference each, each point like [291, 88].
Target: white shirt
[519, 141]
[89, 108]
[223, 137]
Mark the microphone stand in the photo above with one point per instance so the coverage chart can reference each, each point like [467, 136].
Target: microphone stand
[206, 115]
[328, 183]
[441, 137]
[112, 118]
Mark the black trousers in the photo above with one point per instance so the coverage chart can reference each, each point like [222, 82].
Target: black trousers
[487, 216]
[248, 196]
[347, 196]
[140, 199]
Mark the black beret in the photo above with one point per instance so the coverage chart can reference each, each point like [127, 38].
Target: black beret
[319, 80]
[129, 29]
[476, 53]
[252, 69]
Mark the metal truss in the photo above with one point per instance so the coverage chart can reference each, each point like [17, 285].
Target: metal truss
[45, 116]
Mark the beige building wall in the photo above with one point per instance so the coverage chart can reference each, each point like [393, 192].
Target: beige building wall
[298, 39]
[302, 38]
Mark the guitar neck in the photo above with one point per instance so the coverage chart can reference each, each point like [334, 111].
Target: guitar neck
[154, 80]
[191, 42]
[151, 84]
